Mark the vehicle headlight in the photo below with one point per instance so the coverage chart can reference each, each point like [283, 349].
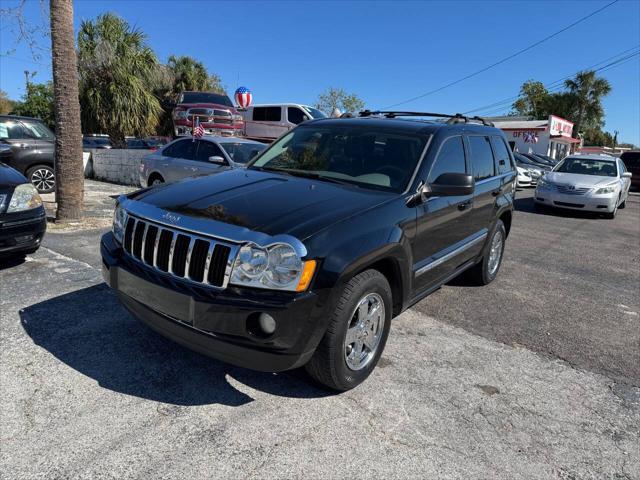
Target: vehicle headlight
[179, 114]
[24, 197]
[542, 183]
[607, 189]
[276, 267]
[237, 118]
[119, 216]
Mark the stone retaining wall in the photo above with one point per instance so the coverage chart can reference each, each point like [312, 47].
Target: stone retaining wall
[117, 165]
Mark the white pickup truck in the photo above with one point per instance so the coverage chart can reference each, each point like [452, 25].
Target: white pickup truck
[267, 122]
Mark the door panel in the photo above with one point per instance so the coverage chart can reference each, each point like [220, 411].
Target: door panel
[201, 165]
[488, 185]
[178, 158]
[442, 222]
[24, 148]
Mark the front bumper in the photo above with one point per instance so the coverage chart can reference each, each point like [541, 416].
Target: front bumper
[22, 231]
[590, 203]
[218, 323]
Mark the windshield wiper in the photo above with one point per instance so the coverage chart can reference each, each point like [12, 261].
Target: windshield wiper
[316, 176]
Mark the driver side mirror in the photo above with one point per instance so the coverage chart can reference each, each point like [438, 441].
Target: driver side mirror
[448, 185]
[217, 159]
[626, 175]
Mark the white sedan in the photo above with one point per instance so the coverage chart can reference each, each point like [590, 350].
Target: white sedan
[524, 177]
[595, 183]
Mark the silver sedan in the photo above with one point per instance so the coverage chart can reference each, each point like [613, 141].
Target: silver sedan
[595, 183]
[188, 157]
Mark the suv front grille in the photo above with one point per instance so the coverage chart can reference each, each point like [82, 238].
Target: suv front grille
[180, 254]
[210, 115]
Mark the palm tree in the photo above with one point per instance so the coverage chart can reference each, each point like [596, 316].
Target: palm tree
[69, 168]
[188, 74]
[118, 73]
[588, 91]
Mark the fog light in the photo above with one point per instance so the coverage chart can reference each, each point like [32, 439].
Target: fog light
[267, 323]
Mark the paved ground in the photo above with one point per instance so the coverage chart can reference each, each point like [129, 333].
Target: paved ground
[534, 376]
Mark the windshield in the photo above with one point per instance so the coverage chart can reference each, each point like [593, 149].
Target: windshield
[522, 159]
[314, 112]
[206, 97]
[242, 152]
[39, 130]
[346, 154]
[587, 166]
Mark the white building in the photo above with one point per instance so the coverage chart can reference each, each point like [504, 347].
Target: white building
[551, 137]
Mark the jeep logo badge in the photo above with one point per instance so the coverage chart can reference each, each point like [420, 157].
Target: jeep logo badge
[171, 218]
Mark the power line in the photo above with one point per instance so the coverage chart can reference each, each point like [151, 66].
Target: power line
[519, 52]
[559, 84]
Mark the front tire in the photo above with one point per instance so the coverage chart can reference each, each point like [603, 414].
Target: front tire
[43, 178]
[357, 333]
[487, 269]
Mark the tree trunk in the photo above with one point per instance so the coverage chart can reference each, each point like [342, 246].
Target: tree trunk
[68, 166]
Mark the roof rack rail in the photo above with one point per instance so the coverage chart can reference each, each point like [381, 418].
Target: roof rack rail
[457, 118]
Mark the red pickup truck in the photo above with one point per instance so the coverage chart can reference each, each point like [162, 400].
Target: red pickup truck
[215, 112]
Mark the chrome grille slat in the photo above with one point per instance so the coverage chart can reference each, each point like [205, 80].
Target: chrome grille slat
[206, 261]
[171, 249]
[192, 242]
[155, 248]
[572, 191]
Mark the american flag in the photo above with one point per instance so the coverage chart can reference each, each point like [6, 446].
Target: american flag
[198, 130]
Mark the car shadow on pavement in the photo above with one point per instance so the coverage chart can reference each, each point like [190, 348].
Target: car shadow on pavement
[527, 205]
[12, 261]
[92, 333]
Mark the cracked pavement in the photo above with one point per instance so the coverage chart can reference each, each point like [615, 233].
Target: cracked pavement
[534, 376]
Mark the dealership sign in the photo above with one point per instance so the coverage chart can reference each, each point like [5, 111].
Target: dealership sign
[560, 126]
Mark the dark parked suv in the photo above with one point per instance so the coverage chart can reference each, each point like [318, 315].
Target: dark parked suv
[304, 257]
[32, 145]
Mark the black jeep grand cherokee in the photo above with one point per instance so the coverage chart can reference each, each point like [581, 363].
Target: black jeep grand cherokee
[304, 257]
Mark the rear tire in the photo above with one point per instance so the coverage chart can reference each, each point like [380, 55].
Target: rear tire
[623, 204]
[487, 269]
[364, 312]
[43, 178]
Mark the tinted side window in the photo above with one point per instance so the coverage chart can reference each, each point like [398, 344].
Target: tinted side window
[481, 157]
[206, 150]
[266, 114]
[503, 161]
[183, 149]
[12, 130]
[295, 115]
[450, 159]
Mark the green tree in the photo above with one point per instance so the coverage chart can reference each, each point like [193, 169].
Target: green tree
[182, 73]
[39, 103]
[333, 98]
[533, 96]
[190, 74]
[6, 104]
[588, 91]
[118, 74]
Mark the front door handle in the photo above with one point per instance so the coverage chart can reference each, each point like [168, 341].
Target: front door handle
[464, 205]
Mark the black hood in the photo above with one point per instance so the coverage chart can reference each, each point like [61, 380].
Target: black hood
[10, 177]
[264, 201]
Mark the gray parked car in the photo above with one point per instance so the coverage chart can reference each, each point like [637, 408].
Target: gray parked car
[188, 157]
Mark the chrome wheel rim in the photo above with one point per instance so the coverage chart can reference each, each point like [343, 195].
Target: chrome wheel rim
[156, 181]
[43, 179]
[495, 254]
[364, 331]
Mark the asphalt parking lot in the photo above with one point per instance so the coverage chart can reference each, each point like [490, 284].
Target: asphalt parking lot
[534, 376]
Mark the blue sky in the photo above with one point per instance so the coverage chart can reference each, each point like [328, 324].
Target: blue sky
[385, 52]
